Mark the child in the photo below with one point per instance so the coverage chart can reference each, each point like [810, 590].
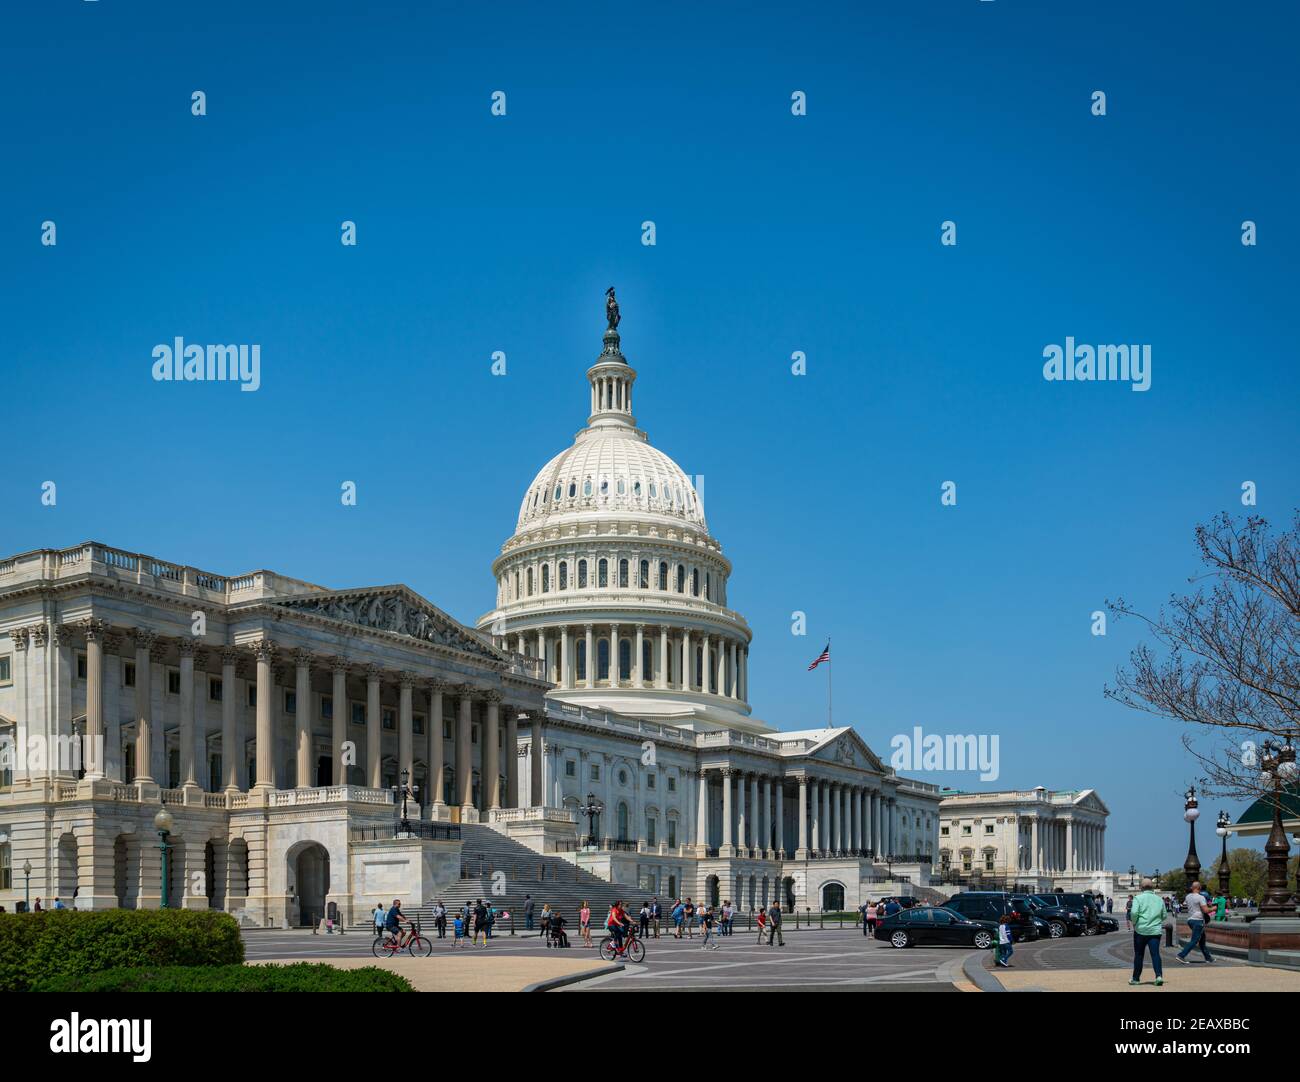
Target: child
[459, 941]
[1002, 956]
[706, 921]
[762, 924]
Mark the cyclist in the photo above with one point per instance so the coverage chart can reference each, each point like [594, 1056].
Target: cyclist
[393, 922]
[618, 923]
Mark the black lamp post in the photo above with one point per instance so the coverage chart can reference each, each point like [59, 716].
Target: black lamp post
[1191, 812]
[163, 823]
[591, 809]
[1132, 877]
[27, 889]
[1225, 875]
[407, 791]
[1278, 769]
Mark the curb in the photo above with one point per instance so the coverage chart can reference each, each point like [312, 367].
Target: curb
[983, 979]
[574, 978]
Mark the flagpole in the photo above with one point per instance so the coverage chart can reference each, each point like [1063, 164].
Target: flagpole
[830, 723]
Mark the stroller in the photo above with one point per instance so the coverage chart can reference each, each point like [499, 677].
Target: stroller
[556, 936]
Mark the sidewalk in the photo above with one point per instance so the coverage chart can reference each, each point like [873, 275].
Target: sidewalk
[473, 972]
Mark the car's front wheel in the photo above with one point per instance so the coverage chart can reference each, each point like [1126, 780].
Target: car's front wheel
[983, 940]
[1056, 929]
[899, 939]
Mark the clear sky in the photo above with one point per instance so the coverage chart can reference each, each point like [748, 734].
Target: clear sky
[775, 233]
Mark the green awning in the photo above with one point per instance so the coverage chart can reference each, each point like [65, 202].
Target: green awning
[1261, 812]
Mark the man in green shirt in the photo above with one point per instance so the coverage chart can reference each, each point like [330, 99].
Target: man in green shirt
[1148, 919]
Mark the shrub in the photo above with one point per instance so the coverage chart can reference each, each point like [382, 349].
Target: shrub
[297, 977]
[64, 942]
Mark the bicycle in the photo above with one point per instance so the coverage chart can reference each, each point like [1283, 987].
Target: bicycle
[414, 944]
[632, 948]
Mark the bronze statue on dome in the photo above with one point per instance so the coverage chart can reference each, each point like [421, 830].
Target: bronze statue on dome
[611, 309]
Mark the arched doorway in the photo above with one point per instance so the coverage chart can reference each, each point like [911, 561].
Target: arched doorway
[711, 890]
[787, 892]
[66, 883]
[833, 897]
[309, 872]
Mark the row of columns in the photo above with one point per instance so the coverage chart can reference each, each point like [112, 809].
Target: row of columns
[148, 650]
[723, 667]
[1066, 845]
[832, 818]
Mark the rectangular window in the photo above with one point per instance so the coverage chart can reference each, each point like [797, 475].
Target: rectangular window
[650, 831]
[988, 828]
[388, 717]
[173, 681]
[595, 772]
[128, 674]
[358, 713]
[943, 832]
[649, 781]
[215, 689]
[290, 702]
[446, 730]
[417, 724]
[6, 669]
[570, 768]
[473, 734]
[326, 707]
[81, 666]
[252, 694]
[672, 784]
[965, 830]
[672, 833]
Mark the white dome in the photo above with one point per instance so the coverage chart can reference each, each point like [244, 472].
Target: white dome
[610, 471]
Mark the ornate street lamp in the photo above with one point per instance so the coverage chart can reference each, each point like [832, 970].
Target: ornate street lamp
[407, 791]
[1132, 876]
[591, 809]
[27, 889]
[163, 823]
[1278, 769]
[1191, 812]
[1221, 829]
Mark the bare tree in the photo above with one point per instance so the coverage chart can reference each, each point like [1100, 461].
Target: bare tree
[1226, 658]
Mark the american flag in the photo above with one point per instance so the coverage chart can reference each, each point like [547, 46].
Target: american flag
[825, 655]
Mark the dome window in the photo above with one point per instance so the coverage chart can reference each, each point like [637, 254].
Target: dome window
[582, 574]
[622, 574]
[604, 486]
[573, 489]
[564, 574]
[602, 574]
[654, 491]
[621, 487]
[559, 491]
[586, 487]
[663, 575]
[636, 488]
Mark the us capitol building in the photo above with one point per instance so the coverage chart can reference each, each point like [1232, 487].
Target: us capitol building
[313, 745]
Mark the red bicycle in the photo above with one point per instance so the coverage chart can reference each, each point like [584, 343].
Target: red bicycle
[632, 948]
[414, 943]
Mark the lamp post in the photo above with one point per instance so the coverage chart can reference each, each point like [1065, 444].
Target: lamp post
[27, 889]
[591, 809]
[1221, 829]
[1278, 769]
[163, 823]
[1132, 877]
[1191, 812]
[407, 791]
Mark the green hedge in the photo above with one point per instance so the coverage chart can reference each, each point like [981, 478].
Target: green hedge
[64, 942]
[298, 977]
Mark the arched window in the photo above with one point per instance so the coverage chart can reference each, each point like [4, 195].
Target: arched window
[604, 486]
[636, 488]
[546, 578]
[586, 487]
[530, 582]
[582, 574]
[654, 491]
[602, 574]
[695, 582]
[625, 659]
[622, 574]
[564, 574]
[663, 574]
[622, 822]
[573, 489]
[644, 582]
[602, 660]
[681, 579]
[621, 486]
[581, 659]
[559, 491]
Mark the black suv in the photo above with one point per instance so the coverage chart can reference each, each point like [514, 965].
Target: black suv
[991, 905]
[1061, 920]
[1080, 906]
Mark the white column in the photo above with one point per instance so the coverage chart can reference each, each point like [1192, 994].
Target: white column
[779, 812]
[591, 656]
[638, 677]
[405, 727]
[815, 807]
[265, 651]
[721, 668]
[187, 713]
[490, 738]
[339, 719]
[302, 721]
[765, 820]
[742, 819]
[661, 676]
[728, 847]
[758, 840]
[735, 673]
[687, 660]
[144, 641]
[702, 814]
[615, 668]
[434, 735]
[802, 852]
[374, 752]
[705, 665]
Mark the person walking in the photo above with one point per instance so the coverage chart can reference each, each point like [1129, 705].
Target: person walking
[689, 915]
[379, 916]
[774, 924]
[440, 918]
[679, 917]
[655, 914]
[762, 924]
[1221, 907]
[1198, 912]
[1002, 956]
[545, 933]
[584, 924]
[1128, 912]
[528, 912]
[480, 921]
[644, 917]
[1148, 914]
[862, 911]
[707, 926]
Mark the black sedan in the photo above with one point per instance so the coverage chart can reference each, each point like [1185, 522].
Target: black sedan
[935, 926]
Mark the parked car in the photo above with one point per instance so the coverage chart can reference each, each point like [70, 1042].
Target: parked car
[1106, 923]
[1060, 920]
[926, 925]
[991, 905]
[1079, 904]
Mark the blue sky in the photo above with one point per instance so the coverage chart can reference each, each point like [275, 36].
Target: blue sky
[775, 233]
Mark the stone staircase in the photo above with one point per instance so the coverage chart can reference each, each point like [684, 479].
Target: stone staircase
[489, 858]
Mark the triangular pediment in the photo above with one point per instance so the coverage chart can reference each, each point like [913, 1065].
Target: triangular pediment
[397, 610]
[1091, 801]
[847, 748]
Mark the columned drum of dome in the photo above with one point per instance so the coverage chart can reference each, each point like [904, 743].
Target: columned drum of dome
[613, 579]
